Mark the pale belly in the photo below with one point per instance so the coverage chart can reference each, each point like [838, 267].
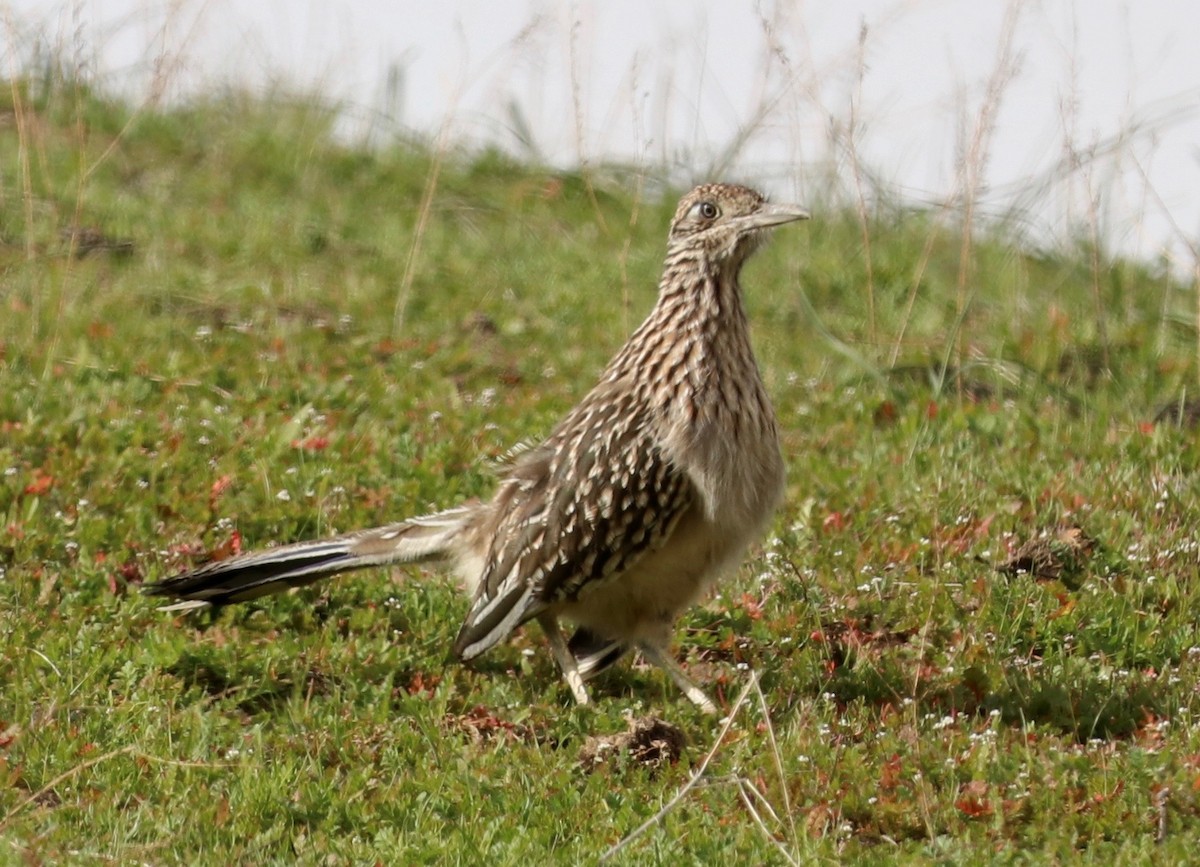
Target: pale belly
[643, 603]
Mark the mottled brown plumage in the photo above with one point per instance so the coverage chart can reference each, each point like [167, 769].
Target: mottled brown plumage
[644, 494]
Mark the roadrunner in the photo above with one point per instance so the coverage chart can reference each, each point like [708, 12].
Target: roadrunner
[649, 489]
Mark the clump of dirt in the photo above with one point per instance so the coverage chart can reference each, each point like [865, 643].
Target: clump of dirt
[650, 741]
[1184, 413]
[1057, 554]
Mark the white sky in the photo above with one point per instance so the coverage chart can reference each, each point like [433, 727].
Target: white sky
[1112, 87]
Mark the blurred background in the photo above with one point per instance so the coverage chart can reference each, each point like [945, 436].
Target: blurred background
[1068, 120]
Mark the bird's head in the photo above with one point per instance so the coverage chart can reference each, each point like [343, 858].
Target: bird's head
[727, 222]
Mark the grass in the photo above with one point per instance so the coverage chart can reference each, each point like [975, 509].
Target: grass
[209, 359]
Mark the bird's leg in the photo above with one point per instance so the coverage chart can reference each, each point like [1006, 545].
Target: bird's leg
[562, 655]
[657, 655]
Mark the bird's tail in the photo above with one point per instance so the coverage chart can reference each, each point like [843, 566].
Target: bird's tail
[594, 653]
[273, 570]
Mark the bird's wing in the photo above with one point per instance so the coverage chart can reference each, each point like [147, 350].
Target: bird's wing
[578, 510]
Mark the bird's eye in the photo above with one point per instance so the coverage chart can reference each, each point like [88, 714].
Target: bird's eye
[708, 210]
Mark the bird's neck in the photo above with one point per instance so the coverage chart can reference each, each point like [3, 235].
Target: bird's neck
[695, 340]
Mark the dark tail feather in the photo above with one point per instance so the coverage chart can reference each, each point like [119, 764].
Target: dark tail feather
[273, 570]
[594, 653]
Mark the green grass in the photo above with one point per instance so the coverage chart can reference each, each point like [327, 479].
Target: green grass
[239, 372]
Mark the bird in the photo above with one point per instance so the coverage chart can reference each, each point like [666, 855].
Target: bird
[652, 487]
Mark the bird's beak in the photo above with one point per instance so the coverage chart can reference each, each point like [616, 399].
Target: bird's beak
[773, 215]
